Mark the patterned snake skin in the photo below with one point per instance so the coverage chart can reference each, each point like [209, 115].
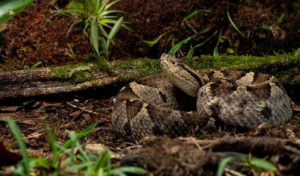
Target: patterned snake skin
[160, 104]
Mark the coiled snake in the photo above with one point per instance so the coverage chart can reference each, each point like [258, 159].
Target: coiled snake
[152, 105]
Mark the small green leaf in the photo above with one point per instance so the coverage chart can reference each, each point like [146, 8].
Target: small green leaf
[94, 35]
[105, 160]
[176, 47]
[233, 24]
[107, 6]
[80, 135]
[43, 162]
[195, 12]
[37, 64]
[223, 164]
[54, 148]
[297, 53]
[9, 8]
[190, 53]
[74, 168]
[18, 135]
[216, 51]
[262, 164]
[153, 42]
[129, 170]
[115, 29]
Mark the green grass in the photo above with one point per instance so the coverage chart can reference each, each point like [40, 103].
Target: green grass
[68, 158]
[100, 22]
[257, 165]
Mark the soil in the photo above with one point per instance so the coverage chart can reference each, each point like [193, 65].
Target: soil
[38, 35]
[66, 113]
[151, 18]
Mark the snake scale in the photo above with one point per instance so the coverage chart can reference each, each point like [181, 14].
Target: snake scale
[153, 105]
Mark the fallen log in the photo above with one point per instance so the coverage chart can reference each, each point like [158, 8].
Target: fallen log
[71, 78]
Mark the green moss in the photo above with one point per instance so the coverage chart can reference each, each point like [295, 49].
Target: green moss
[274, 65]
[127, 77]
[77, 72]
[103, 65]
[135, 68]
[144, 66]
[150, 66]
[236, 62]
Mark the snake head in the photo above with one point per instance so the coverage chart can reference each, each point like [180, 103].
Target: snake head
[180, 75]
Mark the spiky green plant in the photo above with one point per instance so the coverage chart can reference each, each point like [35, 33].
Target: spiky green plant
[69, 158]
[100, 22]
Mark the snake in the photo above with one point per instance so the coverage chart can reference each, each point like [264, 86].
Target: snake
[181, 100]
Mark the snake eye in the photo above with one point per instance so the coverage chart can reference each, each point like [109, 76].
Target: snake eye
[266, 112]
[163, 97]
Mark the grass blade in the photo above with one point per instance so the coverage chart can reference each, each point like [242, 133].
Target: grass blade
[223, 164]
[153, 42]
[80, 135]
[176, 47]
[110, 12]
[195, 12]
[104, 161]
[115, 29]
[233, 24]
[261, 164]
[94, 35]
[54, 149]
[76, 167]
[107, 6]
[17, 133]
[129, 170]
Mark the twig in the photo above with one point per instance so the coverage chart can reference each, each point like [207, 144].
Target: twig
[82, 109]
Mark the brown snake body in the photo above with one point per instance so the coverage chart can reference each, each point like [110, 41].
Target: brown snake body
[152, 106]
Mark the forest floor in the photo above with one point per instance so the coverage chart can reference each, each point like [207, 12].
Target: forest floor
[37, 35]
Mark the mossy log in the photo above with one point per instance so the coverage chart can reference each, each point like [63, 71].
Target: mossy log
[70, 78]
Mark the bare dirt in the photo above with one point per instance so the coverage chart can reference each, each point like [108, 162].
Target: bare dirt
[39, 34]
